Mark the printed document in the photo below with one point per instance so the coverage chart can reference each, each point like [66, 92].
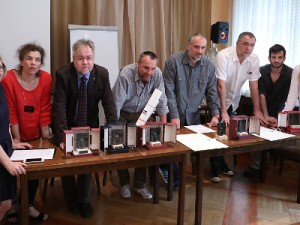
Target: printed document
[44, 153]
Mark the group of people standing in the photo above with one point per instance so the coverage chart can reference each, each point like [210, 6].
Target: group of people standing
[27, 112]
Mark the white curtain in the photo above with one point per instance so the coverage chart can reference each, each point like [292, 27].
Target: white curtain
[272, 22]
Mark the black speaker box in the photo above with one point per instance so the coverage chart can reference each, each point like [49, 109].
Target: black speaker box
[219, 32]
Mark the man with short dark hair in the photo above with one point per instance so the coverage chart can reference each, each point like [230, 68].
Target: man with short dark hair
[274, 85]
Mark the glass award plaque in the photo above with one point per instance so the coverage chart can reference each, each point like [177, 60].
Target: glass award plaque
[81, 137]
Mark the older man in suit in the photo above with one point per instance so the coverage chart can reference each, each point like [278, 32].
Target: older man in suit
[79, 87]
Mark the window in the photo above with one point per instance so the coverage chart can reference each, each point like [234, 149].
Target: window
[272, 22]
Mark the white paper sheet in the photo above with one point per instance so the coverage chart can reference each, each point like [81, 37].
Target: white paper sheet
[199, 142]
[272, 135]
[149, 108]
[44, 153]
[200, 129]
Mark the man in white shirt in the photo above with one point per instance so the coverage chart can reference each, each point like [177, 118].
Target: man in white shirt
[235, 65]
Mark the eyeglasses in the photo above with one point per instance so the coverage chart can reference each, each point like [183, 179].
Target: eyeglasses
[82, 59]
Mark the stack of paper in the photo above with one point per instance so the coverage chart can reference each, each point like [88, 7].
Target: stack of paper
[44, 153]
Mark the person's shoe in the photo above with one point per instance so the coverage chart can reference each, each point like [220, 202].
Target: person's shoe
[144, 193]
[86, 210]
[73, 207]
[36, 215]
[12, 217]
[228, 173]
[226, 170]
[164, 174]
[251, 172]
[215, 179]
[125, 191]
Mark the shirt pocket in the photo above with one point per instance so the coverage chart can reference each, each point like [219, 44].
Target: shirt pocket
[181, 83]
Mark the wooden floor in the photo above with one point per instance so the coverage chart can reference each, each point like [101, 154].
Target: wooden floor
[233, 201]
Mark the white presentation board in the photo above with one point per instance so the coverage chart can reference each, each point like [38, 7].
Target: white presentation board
[106, 49]
[23, 22]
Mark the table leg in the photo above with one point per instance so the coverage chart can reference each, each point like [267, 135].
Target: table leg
[298, 192]
[181, 191]
[156, 185]
[263, 166]
[199, 188]
[170, 182]
[24, 199]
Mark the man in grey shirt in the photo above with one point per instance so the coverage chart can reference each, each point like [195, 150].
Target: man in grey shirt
[132, 90]
[189, 76]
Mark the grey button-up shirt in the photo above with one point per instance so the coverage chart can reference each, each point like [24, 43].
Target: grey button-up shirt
[186, 86]
[131, 95]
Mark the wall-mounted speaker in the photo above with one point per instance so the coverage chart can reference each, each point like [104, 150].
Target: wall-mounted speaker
[219, 32]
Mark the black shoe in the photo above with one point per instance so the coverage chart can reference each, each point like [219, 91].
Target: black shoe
[73, 207]
[86, 210]
[251, 172]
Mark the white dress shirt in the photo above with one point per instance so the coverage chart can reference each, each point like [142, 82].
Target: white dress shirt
[229, 69]
[294, 92]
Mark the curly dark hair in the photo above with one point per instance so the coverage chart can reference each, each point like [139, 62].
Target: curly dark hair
[29, 47]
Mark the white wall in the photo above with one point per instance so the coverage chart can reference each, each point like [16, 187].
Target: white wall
[22, 22]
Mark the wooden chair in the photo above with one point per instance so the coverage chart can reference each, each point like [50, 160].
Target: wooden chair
[290, 153]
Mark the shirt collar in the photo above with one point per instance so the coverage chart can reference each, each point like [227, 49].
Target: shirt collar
[235, 56]
[136, 74]
[80, 75]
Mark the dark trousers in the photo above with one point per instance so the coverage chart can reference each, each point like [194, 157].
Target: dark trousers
[77, 191]
[175, 170]
[218, 162]
[32, 188]
[140, 173]
[139, 177]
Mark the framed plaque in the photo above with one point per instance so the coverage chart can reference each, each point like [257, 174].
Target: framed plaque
[81, 144]
[239, 127]
[117, 138]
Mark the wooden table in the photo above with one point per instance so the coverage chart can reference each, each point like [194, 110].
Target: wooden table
[64, 166]
[235, 147]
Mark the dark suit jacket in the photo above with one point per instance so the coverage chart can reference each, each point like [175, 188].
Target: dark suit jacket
[65, 99]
